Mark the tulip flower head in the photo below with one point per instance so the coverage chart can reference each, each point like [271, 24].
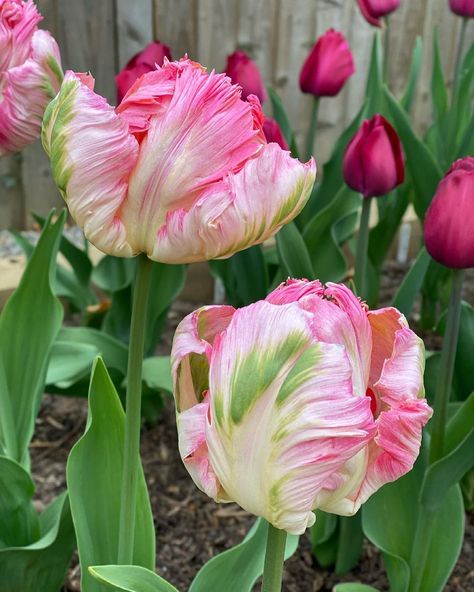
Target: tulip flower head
[141, 63]
[449, 237]
[373, 162]
[244, 71]
[273, 133]
[304, 400]
[328, 66]
[30, 74]
[463, 8]
[374, 10]
[180, 170]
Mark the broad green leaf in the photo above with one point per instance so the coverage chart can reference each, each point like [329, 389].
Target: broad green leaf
[280, 116]
[324, 538]
[70, 362]
[424, 169]
[375, 78]
[460, 423]
[42, 565]
[354, 587]
[112, 274]
[409, 289]
[293, 254]
[157, 373]
[350, 540]
[250, 271]
[407, 99]
[29, 324]
[237, 569]
[130, 578]
[94, 472]
[439, 90]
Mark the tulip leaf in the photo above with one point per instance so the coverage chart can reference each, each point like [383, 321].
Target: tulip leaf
[157, 373]
[439, 90]
[407, 293]
[95, 500]
[324, 538]
[29, 324]
[415, 67]
[251, 276]
[351, 539]
[375, 78]
[293, 254]
[424, 169]
[70, 362]
[112, 274]
[354, 587]
[281, 118]
[130, 578]
[237, 569]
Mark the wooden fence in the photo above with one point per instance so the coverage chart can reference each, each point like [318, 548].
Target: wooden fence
[101, 35]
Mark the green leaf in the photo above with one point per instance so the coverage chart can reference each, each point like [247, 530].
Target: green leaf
[250, 270]
[157, 373]
[112, 274]
[237, 569]
[375, 78]
[130, 578]
[41, 565]
[407, 99]
[70, 362]
[293, 254]
[94, 472]
[324, 538]
[350, 540]
[439, 90]
[280, 116]
[29, 324]
[406, 294]
[424, 169]
[354, 587]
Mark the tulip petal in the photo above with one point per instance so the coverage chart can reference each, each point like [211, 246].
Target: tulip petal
[366, 11]
[283, 411]
[245, 209]
[92, 155]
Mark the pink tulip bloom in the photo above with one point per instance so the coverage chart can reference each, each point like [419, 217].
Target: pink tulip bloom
[144, 61]
[328, 66]
[244, 71]
[463, 8]
[449, 237]
[374, 10]
[180, 170]
[30, 74]
[305, 400]
[273, 133]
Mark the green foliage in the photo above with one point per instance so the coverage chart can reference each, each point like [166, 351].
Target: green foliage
[130, 578]
[354, 587]
[406, 294]
[293, 254]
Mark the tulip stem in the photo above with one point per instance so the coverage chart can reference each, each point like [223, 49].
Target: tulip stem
[131, 454]
[274, 558]
[312, 128]
[445, 379]
[361, 250]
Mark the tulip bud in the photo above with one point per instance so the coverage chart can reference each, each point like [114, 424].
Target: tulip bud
[449, 237]
[244, 71]
[273, 133]
[30, 74]
[328, 66]
[141, 63]
[463, 8]
[373, 162]
[302, 401]
[374, 10]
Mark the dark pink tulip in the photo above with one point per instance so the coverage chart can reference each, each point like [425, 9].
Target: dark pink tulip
[328, 65]
[373, 162]
[449, 237]
[244, 71]
[141, 63]
[374, 10]
[273, 133]
[462, 7]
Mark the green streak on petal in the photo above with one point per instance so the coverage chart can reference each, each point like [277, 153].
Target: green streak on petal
[199, 373]
[219, 409]
[256, 372]
[55, 68]
[289, 205]
[301, 372]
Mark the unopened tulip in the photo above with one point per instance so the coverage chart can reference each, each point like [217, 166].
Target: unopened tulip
[30, 74]
[144, 61]
[305, 400]
[449, 236]
[244, 71]
[328, 65]
[374, 10]
[373, 162]
[273, 133]
[463, 8]
[180, 170]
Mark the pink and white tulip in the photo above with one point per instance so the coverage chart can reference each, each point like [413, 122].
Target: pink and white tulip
[305, 400]
[30, 74]
[180, 170]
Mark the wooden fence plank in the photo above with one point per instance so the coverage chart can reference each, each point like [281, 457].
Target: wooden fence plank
[134, 27]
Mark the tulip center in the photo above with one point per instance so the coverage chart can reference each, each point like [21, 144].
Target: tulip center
[373, 401]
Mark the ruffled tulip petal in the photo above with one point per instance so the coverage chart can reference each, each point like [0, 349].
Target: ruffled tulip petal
[245, 209]
[293, 290]
[18, 22]
[283, 411]
[92, 155]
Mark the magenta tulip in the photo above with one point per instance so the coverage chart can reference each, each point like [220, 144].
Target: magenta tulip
[244, 71]
[463, 8]
[374, 10]
[449, 237]
[328, 66]
[373, 162]
[273, 133]
[144, 61]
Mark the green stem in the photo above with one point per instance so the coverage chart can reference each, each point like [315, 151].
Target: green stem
[361, 251]
[445, 378]
[274, 558]
[131, 456]
[420, 548]
[312, 128]
[386, 52]
[462, 39]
